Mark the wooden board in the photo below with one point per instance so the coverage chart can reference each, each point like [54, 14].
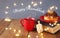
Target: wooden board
[15, 25]
[11, 34]
[3, 25]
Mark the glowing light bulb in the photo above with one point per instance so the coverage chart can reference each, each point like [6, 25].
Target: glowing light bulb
[17, 35]
[55, 23]
[29, 6]
[42, 37]
[40, 2]
[41, 34]
[33, 18]
[51, 17]
[19, 31]
[7, 19]
[38, 31]
[49, 23]
[46, 18]
[6, 12]
[32, 2]
[10, 28]
[28, 36]
[56, 8]
[15, 4]
[22, 4]
[6, 28]
[35, 4]
[46, 29]
[52, 25]
[52, 7]
[58, 24]
[7, 7]
[14, 30]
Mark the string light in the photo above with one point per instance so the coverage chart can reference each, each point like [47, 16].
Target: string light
[29, 6]
[46, 29]
[7, 7]
[35, 4]
[56, 8]
[32, 2]
[40, 2]
[15, 4]
[49, 23]
[7, 19]
[10, 28]
[22, 4]
[45, 18]
[17, 35]
[55, 23]
[52, 25]
[6, 12]
[52, 7]
[41, 34]
[14, 30]
[6, 28]
[58, 24]
[19, 31]
[28, 36]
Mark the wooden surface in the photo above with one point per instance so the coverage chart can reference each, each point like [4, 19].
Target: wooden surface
[15, 25]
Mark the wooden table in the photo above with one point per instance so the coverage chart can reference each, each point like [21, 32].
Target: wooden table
[14, 26]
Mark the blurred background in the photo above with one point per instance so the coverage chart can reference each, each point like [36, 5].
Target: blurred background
[12, 8]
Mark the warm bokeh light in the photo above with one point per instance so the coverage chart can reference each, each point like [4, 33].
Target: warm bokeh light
[6, 28]
[38, 31]
[52, 25]
[14, 30]
[19, 31]
[58, 24]
[35, 4]
[15, 4]
[22, 4]
[41, 34]
[52, 7]
[29, 6]
[42, 37]
[56, 8]
[17, 35]
[46, 29]
[55, 23]
[28, 36]
[6, 12]
[50, 11]
[7, 7]
[7, 19]
[51, 17]
[10, 28]
[32, 2]
[40, 2]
